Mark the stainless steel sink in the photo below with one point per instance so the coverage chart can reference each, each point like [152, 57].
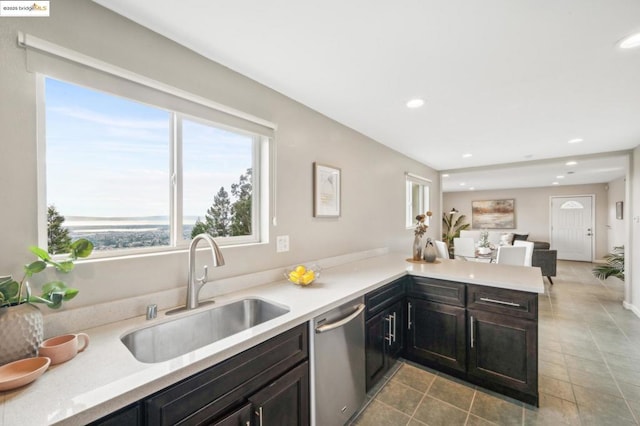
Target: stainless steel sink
[170, 339]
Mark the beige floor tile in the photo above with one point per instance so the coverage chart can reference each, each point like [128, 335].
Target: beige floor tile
[552, 411]
[496, 410]
[437, 413]
[478, 421]
[551, 369]
[400, 396]
[414, 377]
[596, 405]
[555, 387]
[454, 393]
[379, 414]
[595, 382]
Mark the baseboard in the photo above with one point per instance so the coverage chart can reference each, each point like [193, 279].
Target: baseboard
[632, 308]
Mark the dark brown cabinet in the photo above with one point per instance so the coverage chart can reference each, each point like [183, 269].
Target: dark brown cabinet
[384, 330]
[284, 402]
[436, 335]
[269, 380]
[503, 340]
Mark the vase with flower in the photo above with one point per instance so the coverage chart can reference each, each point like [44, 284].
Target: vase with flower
[421, 228]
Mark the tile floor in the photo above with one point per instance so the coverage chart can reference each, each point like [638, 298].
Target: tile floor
[589, 368]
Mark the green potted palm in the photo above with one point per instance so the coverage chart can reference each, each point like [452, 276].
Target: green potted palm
[614, 266]
[452, 227]
[20, 321]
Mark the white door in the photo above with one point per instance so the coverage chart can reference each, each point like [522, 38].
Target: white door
[572, 227]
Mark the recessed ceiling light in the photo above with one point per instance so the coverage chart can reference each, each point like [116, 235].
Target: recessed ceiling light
[462, 184]
[467, 155]
[555, 183]
[576, 140]
[415, 103]
[571, 163]
[630, 42]
[559, 177]
[471, 188]
[445, 175]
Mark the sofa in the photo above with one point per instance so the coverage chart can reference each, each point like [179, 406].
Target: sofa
[543, 257]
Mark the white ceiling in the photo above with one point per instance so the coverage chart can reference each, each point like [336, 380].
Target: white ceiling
[506, 81]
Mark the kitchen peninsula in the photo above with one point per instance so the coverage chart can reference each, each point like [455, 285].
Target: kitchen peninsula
[106, 377]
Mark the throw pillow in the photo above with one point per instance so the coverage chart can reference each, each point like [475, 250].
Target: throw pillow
[506, 239]
[521, 237]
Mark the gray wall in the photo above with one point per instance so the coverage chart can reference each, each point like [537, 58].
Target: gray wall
[532, 208]
[373, 175]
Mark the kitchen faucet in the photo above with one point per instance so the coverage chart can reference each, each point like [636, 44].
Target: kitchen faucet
[194, 285]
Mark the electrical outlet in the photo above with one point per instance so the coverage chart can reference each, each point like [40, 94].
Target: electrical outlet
[282, 243]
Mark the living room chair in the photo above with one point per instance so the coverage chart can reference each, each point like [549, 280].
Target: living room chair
[464, 248]
[529, 252]
[511, 255]
[442, 249]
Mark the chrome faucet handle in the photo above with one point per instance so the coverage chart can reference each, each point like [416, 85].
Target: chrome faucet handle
[203, 279]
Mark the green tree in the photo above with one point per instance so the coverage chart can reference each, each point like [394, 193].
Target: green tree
[199, 228]
[241, 208]
[58, 239]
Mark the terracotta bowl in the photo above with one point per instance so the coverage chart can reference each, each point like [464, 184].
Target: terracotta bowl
[22, 372]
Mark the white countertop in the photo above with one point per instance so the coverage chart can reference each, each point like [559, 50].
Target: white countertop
[106, 377]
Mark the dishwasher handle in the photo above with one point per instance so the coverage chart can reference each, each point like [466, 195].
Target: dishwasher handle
[327, 327]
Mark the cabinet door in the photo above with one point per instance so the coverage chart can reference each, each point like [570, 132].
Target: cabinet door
[396, 323]
[375, 352]
[240, 417]
[436, 334]
[503, 350]
[285, 402]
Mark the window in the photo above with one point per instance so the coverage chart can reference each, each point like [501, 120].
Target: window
[128, 175]
[417, 196]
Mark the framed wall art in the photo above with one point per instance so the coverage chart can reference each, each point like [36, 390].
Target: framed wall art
[326, 191]
[493, 214]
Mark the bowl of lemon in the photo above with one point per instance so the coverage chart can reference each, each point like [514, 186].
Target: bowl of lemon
[302, 275]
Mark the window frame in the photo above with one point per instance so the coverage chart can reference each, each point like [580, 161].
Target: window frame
[260, 152]
[424, 202]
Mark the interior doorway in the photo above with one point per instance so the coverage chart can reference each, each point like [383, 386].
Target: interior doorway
[572, 227]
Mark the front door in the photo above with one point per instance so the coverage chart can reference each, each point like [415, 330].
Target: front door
[572, 227]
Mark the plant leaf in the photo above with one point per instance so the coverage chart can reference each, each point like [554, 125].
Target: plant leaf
[42, 254]
[66, 266]
[53, 286]
[35, 267]
[81, 248]
[9, 289]
[70, 293]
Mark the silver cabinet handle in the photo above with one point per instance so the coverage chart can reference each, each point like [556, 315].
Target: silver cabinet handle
[471, 330]
[500, 302]
[394, 326]
[409, 316]
[326, 327]
[248, 423]
[389, 333]
[259, 414]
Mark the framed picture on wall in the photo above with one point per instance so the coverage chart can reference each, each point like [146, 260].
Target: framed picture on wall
[619, 210]
[493, 214]
[326, 191]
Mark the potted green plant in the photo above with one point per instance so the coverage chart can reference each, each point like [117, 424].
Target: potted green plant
[20, 321]
[452, 228]
[614, 266]
[484, 246]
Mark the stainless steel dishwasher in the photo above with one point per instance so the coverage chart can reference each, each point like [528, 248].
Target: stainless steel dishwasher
[337, 364]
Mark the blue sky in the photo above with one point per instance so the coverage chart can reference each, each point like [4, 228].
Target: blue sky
[109, 156]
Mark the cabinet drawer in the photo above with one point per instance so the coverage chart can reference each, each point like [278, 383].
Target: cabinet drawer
[384, 296]
[434, 290]
[213, 391]
[502, 301]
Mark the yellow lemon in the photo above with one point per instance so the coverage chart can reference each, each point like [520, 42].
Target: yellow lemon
[300, 269]
[294, 277]
[308, 277]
